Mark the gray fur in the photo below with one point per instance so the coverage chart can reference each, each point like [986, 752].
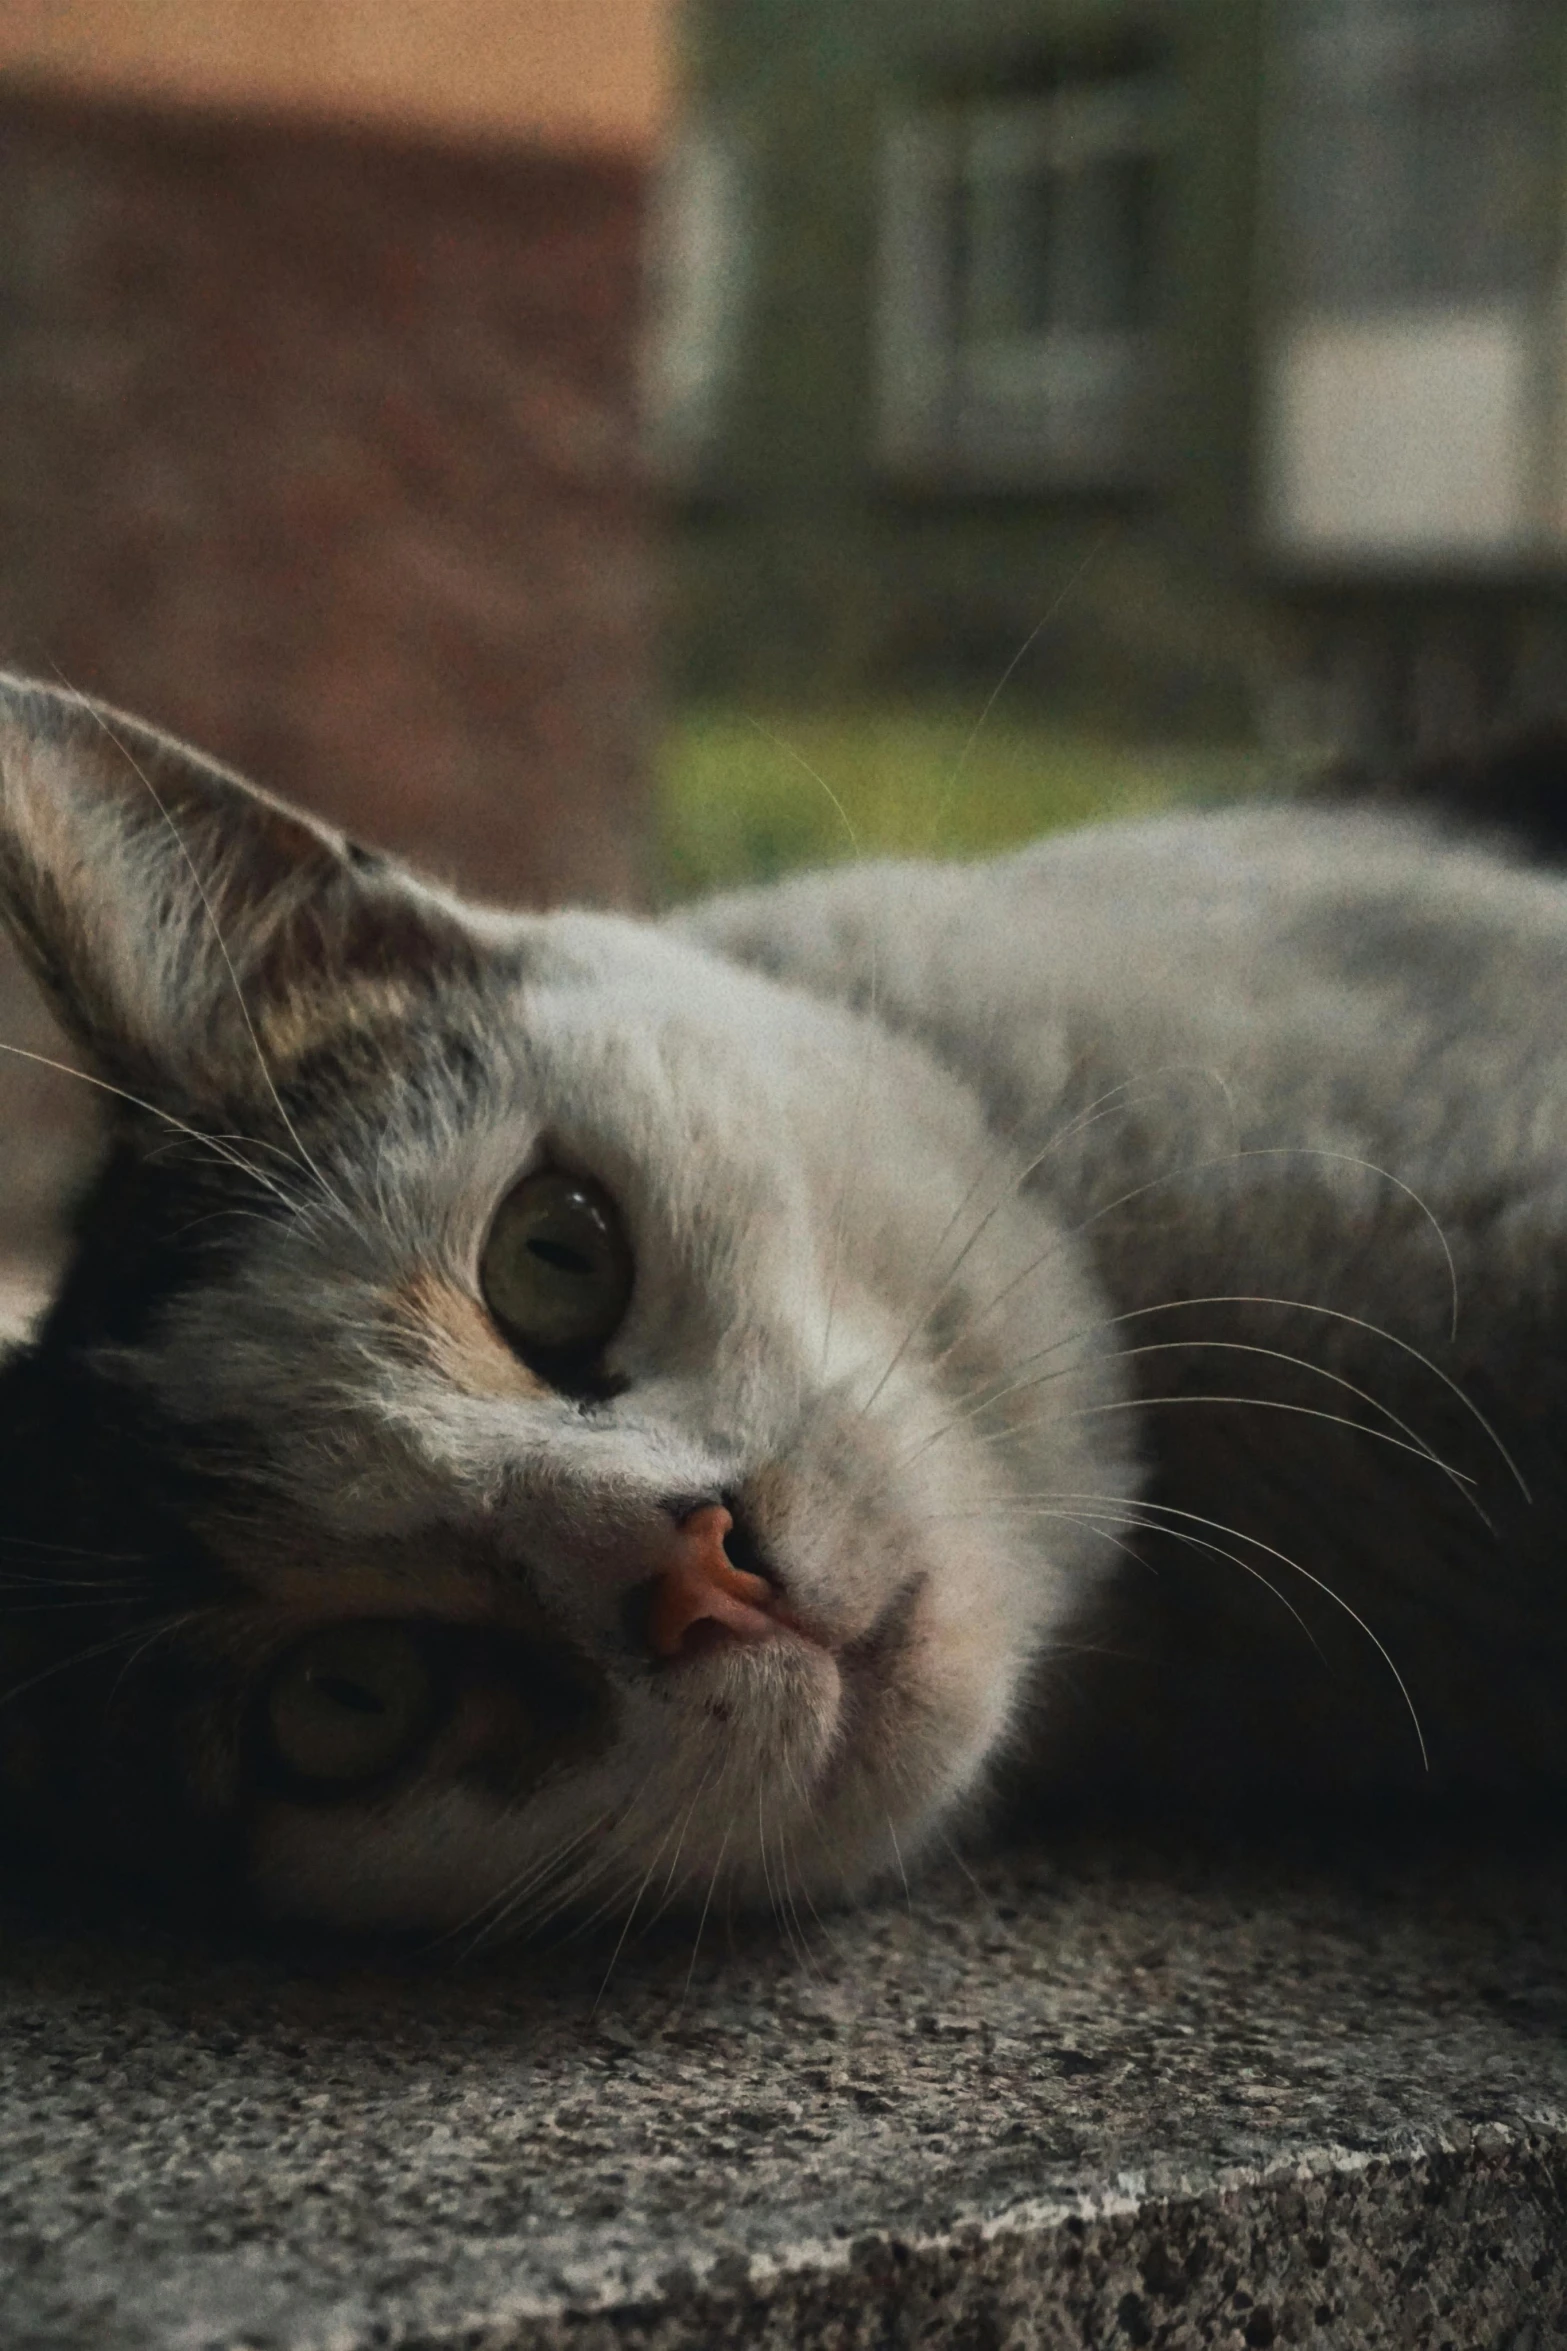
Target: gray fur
[911, 1157]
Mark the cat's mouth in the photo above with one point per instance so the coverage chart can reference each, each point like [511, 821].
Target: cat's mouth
[862, 1662]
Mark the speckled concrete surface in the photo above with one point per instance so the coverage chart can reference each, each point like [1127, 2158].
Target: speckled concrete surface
[1093, 2099]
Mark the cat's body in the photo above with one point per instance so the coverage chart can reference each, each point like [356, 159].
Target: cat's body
[1305, 1070]
[920, 1217]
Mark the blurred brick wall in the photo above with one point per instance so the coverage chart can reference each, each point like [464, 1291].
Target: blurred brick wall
[321, 451]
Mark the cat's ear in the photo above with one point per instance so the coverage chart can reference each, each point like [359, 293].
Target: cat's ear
[178, 918]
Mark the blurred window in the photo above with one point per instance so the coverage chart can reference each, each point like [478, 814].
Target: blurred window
[698, 282]
[1411, 365]
[1018, 295]
[1411, 144]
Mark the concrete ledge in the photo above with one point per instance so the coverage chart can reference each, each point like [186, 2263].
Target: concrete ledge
[1097, 2098]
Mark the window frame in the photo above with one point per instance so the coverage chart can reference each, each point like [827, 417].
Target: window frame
[1057, 407]
[698, 289]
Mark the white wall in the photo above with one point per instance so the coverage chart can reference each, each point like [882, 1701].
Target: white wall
[1412, 434]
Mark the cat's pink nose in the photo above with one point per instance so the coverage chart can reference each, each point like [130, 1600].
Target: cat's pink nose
[701, 1593]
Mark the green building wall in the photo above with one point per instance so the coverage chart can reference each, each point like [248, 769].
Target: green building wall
[804, 572]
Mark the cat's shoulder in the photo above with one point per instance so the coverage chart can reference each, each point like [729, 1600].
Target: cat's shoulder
[1275, 868]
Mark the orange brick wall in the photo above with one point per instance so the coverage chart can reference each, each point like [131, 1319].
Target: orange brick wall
[570, 74]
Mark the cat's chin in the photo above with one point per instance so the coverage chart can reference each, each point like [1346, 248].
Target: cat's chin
[792, 1766]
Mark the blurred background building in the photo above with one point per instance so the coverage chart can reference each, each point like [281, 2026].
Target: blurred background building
[1411, 421]
[620, 446]
[1228, 332]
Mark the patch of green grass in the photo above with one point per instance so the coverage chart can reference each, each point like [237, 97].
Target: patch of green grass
[742, 799]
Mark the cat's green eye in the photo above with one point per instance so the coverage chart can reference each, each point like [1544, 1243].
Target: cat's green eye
[556, 1271]
[350, 1703]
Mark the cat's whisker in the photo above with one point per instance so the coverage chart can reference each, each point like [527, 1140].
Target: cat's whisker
[1374, 1167]
[1209, 1166]
[89, 1655]
[851, 1145]
[66, 1600]
[810, 1822]
[897, 1855]
[1105, 537]
[556, 1880]
[630, 1919]
[9, 1542]
[959, 1860]
[597, 1863]
[601, 1864]
[671, 1875]
[623, 1874]
[1276, 1404]
[1147, 1526]
[1319, 1583]
[209, 1143]
[786, 1880]
[176, 1624]
[543, 1923]
[995, 1513]
[1309, 1306]
[222, 1216]
[714, 1876]
[777, 1902]
[562, 1896]
[792, 1894]
[155, 1156]
[761, 1830]
[1460, 1479]
[795, 1928]
[1408, 1440]
[1104, 1106]
[263, 1143]
[1257, 1403]
[496, 1908]
[1002, 1157]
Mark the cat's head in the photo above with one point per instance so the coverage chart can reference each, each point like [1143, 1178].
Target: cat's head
[535, 1413]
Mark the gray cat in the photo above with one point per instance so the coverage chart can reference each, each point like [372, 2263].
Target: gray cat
[548, 1413]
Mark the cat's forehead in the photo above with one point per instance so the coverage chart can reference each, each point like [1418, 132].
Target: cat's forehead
[619, 988]
[608, 1034]
[662, 1069]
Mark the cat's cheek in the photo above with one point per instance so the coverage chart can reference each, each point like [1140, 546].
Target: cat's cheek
[972, 1638]
[961, 1714]
[430, 1861]
[930, 1709]
[737, 1741]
